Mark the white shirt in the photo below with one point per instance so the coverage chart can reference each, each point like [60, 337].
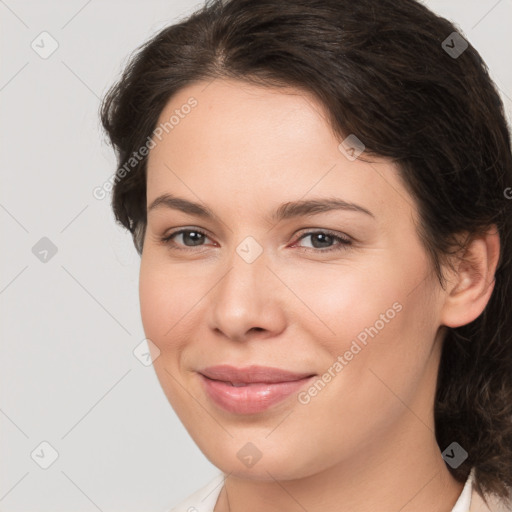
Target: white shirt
[204, 499]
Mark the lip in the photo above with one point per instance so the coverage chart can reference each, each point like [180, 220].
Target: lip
[252, 374]
[259, 387]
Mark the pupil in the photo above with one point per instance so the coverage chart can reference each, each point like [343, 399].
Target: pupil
[195, 241]
[326, 239]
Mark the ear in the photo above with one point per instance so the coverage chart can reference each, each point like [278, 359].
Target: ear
[470, 287]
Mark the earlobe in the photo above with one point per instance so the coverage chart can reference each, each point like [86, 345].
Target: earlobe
[471, 286]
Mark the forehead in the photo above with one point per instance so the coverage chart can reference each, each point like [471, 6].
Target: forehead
[228, 110]
[244, 143]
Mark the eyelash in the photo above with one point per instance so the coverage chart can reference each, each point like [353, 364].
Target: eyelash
[343, 241]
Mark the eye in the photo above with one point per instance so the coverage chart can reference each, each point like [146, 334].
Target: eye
[190, 238]
[322, 240]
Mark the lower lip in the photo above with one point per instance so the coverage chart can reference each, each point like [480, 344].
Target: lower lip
[252, 398]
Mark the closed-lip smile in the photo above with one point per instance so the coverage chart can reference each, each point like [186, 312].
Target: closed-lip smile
[250, 389]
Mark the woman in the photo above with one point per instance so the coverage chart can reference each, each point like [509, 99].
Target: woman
[320, 194]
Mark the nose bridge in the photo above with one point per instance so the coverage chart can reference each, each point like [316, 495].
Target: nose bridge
[243, 285]
[245, 298]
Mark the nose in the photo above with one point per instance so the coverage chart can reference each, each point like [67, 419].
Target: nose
[248, 301]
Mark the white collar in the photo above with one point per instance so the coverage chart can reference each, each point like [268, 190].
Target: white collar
[464, 501]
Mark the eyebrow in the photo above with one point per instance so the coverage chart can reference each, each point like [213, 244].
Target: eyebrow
[286, 211]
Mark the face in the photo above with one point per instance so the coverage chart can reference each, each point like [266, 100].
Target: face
[342, 295]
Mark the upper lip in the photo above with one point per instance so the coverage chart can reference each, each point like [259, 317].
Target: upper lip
[251, 374]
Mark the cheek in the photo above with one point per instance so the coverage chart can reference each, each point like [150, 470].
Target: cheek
[376, 318]
[164, 304]
[344, 300]
[153, 301]
[170, 298]
[164, 298]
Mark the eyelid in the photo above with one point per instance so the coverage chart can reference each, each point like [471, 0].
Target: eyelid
[344, 241]
[313, 231]
[167, 239]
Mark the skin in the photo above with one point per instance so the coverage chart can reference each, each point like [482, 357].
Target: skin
[366, 442]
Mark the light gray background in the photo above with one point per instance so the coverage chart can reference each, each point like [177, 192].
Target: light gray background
[69, 326]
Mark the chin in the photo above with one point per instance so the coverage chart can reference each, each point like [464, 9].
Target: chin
[234, 459]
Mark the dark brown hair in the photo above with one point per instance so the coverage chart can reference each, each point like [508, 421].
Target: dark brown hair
[384, 71]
